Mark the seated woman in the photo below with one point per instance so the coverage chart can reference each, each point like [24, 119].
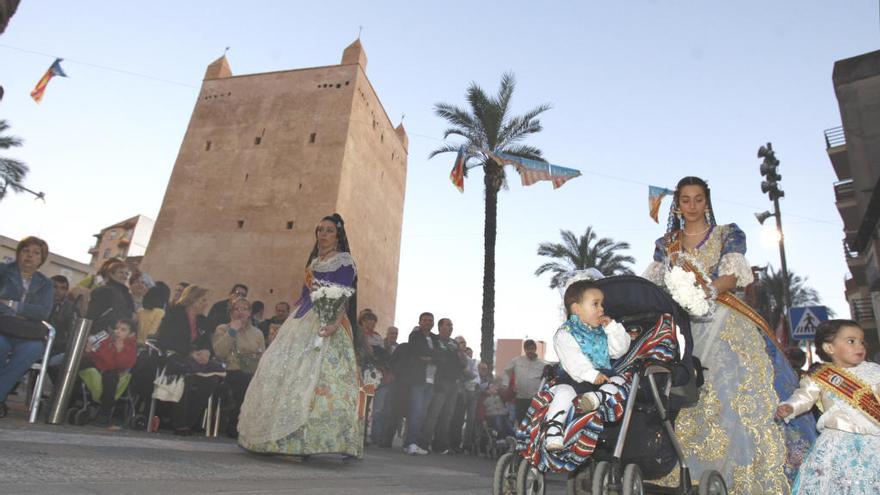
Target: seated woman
[112, 301]
[25, 298]
[105, 370]
[239, 345]
[185, 336]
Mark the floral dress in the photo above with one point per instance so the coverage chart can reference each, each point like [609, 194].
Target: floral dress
[732, 428]
[846, 458]
[305, 400]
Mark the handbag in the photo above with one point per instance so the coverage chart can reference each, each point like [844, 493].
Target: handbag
[168, 388]
[22, 328]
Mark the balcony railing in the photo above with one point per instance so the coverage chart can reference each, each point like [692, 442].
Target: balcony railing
[862, 309]
[848, 252]
[834, 137]
[844, 190]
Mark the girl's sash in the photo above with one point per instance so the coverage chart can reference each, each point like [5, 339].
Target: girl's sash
[850, 389]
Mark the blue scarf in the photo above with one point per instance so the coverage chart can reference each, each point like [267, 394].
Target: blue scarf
[592, 341]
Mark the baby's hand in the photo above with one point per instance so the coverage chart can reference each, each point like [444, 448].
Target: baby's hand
[605, 320]
[600, 379]
[784, 411]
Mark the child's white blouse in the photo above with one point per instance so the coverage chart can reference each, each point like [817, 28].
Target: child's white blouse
[576, 363]
[837, 415]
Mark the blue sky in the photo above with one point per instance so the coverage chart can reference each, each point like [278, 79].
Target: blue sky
[645, 92]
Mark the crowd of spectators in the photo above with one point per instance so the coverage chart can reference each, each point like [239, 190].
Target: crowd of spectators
[435, 394]
[429, 390]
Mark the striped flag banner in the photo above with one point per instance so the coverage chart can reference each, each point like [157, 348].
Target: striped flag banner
[655, 197]
[458, 171]
[54, 70]
[532, 171]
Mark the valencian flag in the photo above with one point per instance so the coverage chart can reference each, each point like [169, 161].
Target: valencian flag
[531, 171]
[54, 70]
[458, 171]
[655, 196]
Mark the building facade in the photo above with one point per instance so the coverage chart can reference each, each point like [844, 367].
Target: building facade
[264, 158]
[854, 151]
[55, 264]
[126, 239]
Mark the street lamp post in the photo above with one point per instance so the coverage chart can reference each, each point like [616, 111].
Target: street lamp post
[771, 187]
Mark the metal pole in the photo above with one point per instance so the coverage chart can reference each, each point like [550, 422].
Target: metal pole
[786, 293]
[63, 389]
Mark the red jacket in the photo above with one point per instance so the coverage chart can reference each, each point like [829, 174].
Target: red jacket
[106, 358]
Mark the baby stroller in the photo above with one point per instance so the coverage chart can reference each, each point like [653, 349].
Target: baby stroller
[642, 445]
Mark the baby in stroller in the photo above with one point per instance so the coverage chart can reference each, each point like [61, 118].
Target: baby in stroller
[566, 417]
[585, 344]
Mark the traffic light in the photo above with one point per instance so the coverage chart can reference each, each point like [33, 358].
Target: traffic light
[768, 170]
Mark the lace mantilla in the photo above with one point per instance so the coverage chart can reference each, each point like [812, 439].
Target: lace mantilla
[334, 263]
[736, 264]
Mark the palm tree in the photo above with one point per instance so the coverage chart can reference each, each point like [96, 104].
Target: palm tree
[801, 294]
[12, 171]
[488, 125]
[578, 253]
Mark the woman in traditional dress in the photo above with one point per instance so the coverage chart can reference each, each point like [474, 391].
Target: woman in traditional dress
[732, 428]
[306, 399]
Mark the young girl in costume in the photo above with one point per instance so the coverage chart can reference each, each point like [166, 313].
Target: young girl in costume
[585, 344]
[846, 456]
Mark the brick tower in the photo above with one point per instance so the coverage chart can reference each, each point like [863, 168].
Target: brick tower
[267, 155]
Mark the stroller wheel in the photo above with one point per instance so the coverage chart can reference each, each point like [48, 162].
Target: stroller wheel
[601, 478]
[137, 423]
[504, 481]
[71, 415]
[529, 480]
[712, 483]
[632, 480]
[580, 482]
[82, 417]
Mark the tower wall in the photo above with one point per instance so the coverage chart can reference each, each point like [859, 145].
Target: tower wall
[264, 150]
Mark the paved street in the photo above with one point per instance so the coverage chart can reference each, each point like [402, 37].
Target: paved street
[87, 460]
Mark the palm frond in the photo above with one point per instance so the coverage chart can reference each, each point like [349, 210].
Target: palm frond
[446, 148]
[525, 151]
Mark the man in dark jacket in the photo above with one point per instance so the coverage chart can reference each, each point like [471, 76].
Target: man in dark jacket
[450, 367]
[419, 375]
[219, 313]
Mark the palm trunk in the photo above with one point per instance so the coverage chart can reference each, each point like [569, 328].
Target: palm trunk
[492, 181]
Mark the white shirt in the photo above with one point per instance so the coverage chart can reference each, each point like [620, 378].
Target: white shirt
[576, 363]
[527, 374]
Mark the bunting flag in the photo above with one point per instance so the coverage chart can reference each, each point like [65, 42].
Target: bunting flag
[458, 171]
[54, 70]
[532, 171]
[655, 196]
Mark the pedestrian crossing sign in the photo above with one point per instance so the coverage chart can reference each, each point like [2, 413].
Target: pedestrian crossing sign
[805, 319]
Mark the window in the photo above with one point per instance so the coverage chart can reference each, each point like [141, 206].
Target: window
[338, 86]
[312, 137]
[258, 140]
[112, 234]
[246, 177]
[382, 138]
[106, 253]
[346, 83]
[208, 146]
[290, 225]
[240, 223]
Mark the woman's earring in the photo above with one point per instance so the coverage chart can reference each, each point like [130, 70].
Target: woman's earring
[708, 216]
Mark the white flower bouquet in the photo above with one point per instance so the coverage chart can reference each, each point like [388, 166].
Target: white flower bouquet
[686, 289]
[328, 299]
